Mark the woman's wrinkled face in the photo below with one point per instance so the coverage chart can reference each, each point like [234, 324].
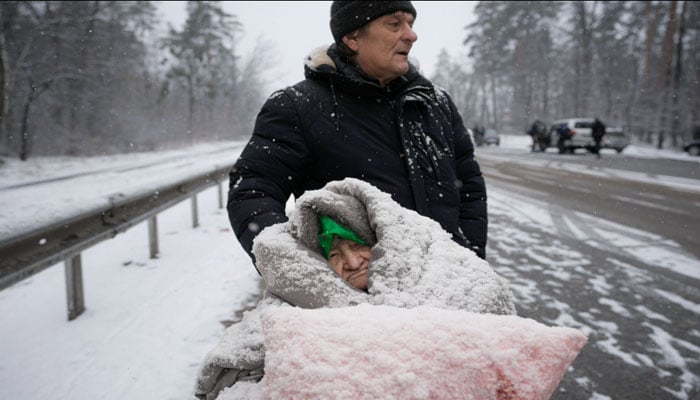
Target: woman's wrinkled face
[350, 260]
[382, 50]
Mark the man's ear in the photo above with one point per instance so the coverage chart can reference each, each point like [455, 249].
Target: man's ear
[351, 41]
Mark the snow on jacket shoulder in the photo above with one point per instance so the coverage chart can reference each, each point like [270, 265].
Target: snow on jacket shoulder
[407, 139]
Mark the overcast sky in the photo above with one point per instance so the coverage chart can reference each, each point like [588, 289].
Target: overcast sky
[297, 27]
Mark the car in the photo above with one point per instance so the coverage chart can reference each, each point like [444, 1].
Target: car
[569, 134]
[491, 137]
[692, 147]
[615, 138]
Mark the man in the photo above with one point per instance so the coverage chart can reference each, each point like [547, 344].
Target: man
[536, 132]
[597, 131]
[564, 134]
[363, 111]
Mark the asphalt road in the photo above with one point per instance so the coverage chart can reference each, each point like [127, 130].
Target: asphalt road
[642, 317]
[671, 212]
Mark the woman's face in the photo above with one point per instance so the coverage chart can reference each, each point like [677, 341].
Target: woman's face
[350, 260]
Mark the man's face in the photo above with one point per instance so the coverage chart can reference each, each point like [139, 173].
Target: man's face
[350, 260]
[382, 52]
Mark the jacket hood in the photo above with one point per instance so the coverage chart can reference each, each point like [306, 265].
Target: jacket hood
[347, 209]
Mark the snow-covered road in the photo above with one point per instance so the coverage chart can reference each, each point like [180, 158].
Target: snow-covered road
[149, 323]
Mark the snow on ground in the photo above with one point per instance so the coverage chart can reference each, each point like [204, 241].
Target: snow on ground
[149, 323]
[85, 193]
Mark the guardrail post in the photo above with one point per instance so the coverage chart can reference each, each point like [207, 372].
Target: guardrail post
[74, 286]
[221, 194]
[195, 212]
[153, 236]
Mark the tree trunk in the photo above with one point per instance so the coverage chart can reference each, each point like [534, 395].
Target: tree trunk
[648, 77]
[496, 120]
[6, 17]
[695, 83]
[35, 91]
[584, 58]
[665, 78]
[79, 95]
[4, 80]
[519, 100]
[190, 106]
[60, 109]
[484, 103]
[26, 139]
[545, 92]
[25, 136]
[676, 118]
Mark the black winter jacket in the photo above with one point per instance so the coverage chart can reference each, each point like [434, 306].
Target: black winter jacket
[407, 139]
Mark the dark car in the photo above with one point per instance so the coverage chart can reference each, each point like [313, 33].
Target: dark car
[692, 147]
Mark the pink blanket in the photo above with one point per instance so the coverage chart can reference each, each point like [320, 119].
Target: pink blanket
[381, 352]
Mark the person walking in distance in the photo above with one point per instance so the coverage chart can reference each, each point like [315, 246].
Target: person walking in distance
[597, 131]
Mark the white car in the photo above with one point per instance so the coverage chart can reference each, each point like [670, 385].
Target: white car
[572, 133]
[491, 137]
[615, 138]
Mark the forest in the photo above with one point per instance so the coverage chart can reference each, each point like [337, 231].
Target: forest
[95, 77]
[633, 64]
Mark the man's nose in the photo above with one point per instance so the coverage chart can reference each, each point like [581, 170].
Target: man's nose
[409, 34]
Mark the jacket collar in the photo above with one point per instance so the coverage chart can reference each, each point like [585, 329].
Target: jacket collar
[327, 63]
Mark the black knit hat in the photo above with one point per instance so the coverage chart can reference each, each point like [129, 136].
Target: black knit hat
[347, 16]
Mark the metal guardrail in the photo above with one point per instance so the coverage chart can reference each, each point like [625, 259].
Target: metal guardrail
[28, 254]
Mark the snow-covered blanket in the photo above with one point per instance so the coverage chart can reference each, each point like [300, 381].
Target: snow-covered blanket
[414, 263]
[382, 352]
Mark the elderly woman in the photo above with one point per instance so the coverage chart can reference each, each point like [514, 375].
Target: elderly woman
[347, 254]
[345, 244]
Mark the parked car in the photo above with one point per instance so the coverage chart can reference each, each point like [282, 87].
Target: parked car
[570, 134]
[491, 137]
[615, 138]
[692, 147]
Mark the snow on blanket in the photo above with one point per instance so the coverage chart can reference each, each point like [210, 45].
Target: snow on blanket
[384, 352]
[414, 260]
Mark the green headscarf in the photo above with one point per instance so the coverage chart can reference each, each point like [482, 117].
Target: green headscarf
[329, 229]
